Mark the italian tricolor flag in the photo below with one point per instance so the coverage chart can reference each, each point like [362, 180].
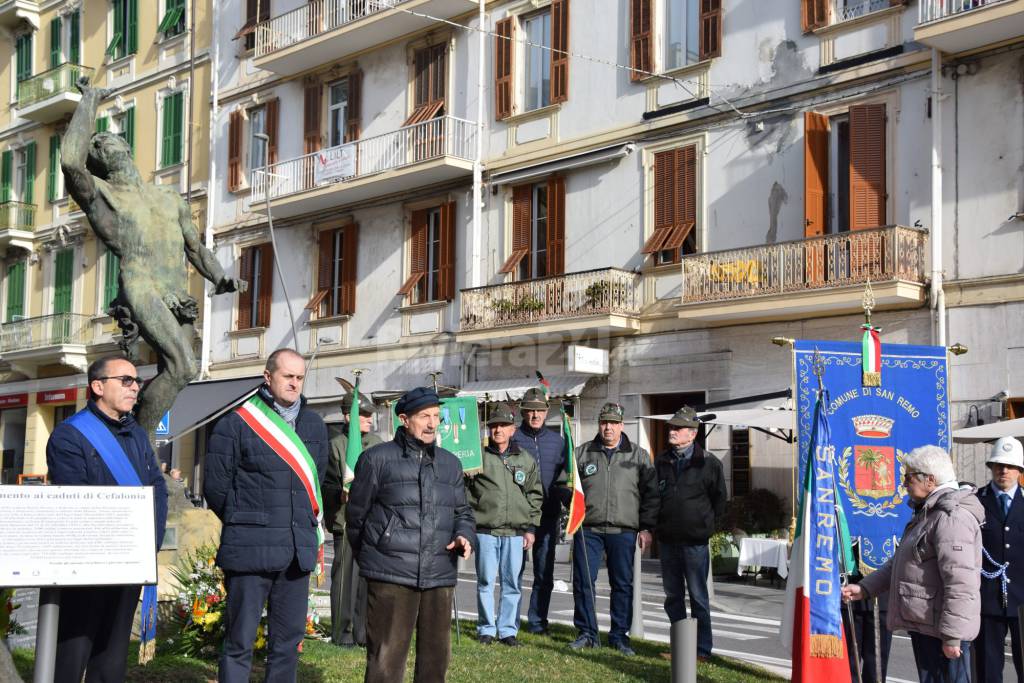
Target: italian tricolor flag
[577, 506]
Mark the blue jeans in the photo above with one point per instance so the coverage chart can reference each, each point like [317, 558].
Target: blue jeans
[684, 567]
[932, 665]
[588, 549]
[501, 555]
[543, 574]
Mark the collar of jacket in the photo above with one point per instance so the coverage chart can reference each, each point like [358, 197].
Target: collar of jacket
[124, 424]
[513, 449]
[264, 393]
[696, 459]
[525, 428]
[411, 445]
[625, 445]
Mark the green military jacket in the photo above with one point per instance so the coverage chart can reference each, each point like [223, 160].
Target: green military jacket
[334, 480]
[507, 494]
[621, 493]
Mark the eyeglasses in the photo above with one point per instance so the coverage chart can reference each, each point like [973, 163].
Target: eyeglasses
[126, 380]
[907, 476]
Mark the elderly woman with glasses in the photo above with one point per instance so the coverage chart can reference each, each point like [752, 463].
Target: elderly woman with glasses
[933, 579]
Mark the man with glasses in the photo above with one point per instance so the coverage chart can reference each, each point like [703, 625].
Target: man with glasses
[96, 621]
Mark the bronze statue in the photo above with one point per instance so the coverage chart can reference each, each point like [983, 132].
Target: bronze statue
[150, 228]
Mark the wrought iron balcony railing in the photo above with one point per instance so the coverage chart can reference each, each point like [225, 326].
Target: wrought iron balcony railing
[844, 10]
[313, 19]
[17, 216]
[933, 10]
[44, 331]
[49, 83]
[880, 255]
[608, 291]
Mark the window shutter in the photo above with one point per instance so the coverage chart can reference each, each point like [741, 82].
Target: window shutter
[113, 269]
[505, 30]
[556, 226]
[28, 192]
[349, 270]
[55, 42]
[559, 50]
[235, 151]
[684, 200]
[816, 134]
[245, 298]
[74, 37]
[446, 267]
[311, 118]
[54, 169]
[62, 275]
[6, 164]
[324, 271]
[15, 290]
[355, 106]
[172, 129]
[272, 132]
[132, 28]
[640, 38]
[867, 166]
[266, 293]
[417, 251]
[522, 208]
[813, 14]
[664, 200]
[129, 129]
[710, 29]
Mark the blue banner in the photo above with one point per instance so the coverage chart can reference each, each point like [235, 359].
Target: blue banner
[873, 429]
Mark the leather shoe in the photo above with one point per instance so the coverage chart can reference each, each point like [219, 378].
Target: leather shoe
[510, 641]
[485, 640]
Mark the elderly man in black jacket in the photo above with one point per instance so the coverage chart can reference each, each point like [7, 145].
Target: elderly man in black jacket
[262, 462]
[408, 522]
[692, 487]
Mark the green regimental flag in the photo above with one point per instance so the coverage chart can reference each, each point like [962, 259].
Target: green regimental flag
[459, 431]
[355, 438]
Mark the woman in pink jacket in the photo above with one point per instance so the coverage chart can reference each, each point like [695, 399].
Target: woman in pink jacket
[934, 580]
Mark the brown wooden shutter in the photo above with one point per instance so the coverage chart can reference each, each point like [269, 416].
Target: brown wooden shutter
[355, 106]
[640, 38]
[816, 141]
[522, 207]
[813, 14]
[311, 118]
[272, 132]
[245, 298]
[505, 30]
[559, 51]
[446, 267]
[266, 293]
[350, 256]
[324, 273]
[664, 200]
[235, 126]
[556, 226]
[684, 202]
[710, 29]
[417, 251]
[867, 166]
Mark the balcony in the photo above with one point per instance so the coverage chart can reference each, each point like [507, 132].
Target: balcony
[51, 95]
[328, 31]
[46, 340]
[16, 223]
[806, 278]
[13, 12]
[419, 155]
[607, 300]
[960, 25]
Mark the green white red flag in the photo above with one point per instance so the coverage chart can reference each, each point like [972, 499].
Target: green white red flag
[355, 438]
[577, 504]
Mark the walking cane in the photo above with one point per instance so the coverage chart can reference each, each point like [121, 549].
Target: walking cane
[455, 609]
[878, 642]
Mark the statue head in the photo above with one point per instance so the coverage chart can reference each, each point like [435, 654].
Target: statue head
[109, 154]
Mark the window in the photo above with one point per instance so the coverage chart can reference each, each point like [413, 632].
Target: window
[429, 83]
[256, 268]
[432, 255]
[63, 271]
[538, 60]
[337, 116]
[124, 34]
[815, 14]
[23, 57]
[54, 176]
[336, 273]
[257, 146]
[172, 113]
[740, 451]
[691, 32]
[544, 59]
[262, 120]
[173, 22]
[15, 291]
[256, 11]
[111, 271]
[24, 174]
[675, 205]
[681, 34]
[538, 230]
[125, 127]
[65, 39]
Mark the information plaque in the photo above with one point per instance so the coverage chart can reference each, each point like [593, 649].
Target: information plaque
[77, 536]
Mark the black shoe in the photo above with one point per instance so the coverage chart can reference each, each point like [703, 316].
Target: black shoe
[510, 641]
[485, 640]
[623, 649]
[542, 631]
[581, 643]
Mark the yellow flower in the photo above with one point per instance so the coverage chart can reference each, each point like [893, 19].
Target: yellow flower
[261, 642]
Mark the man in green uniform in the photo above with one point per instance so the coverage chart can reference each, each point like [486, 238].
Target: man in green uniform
[348, 591]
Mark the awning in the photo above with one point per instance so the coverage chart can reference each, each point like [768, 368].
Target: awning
[502, 389]
[990, 432]
[594, 156]
[201, 402]
[751, 417]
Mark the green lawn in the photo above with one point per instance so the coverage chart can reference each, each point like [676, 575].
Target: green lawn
[544, 660]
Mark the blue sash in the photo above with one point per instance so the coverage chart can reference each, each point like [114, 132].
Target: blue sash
[116, 460]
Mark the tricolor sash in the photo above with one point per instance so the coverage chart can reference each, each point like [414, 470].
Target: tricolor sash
[116, 460]
[285, 442]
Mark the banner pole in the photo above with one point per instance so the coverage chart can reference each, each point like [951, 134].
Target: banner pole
[879, 678]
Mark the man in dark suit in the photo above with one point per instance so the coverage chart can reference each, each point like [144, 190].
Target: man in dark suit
[1002, 583]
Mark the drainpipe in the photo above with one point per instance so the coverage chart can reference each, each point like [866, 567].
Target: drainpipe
[478, 168]
[938, 297]
[211, 197]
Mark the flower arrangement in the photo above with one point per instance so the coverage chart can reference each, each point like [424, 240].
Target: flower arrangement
[9, 626]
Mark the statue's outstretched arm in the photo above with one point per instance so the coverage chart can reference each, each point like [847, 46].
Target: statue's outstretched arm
[203, 259]
[73, 153]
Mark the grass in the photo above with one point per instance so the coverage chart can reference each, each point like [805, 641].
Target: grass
[542, 660]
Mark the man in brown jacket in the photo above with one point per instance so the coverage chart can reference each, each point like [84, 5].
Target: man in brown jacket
[933, 580]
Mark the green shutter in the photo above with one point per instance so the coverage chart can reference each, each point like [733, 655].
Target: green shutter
[74, 37]
[172, 113]
[6, 163]
[112, 270]
[172, 24]
[23, 48]
[63, 264]
[116, 47]
[128, 129]
[132, 27]
[102, 124]
[55, 35]
[15, 290]
[51, 174]
[28, 192]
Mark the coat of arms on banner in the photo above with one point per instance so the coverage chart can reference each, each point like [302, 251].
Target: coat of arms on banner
[876, 487]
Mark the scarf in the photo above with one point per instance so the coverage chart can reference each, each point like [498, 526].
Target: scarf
[288, 413]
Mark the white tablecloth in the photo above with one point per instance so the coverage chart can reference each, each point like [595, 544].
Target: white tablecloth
[764, 552]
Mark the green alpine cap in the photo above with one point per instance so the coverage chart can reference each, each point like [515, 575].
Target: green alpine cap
[685, 417]
[365, 404]
[610, 412]
[534, 399]
[501, 414]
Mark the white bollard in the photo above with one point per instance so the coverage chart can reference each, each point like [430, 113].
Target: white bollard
[684, 651]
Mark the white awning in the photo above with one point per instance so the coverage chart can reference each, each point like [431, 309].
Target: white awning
[594, 156]
[761, 418]
[990, 432]
[502, 389]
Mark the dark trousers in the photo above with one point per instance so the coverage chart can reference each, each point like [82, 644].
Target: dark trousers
[989, 653]
[546, 540]
[286, 595]
[932, 665]
[348, 596]
[589, 547]
[392, 613]
[864, 629]
[93, 631]
[684, 567]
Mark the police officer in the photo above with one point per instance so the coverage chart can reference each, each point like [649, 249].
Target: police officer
[348, 591]
[1002, 583]
[621, 492]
